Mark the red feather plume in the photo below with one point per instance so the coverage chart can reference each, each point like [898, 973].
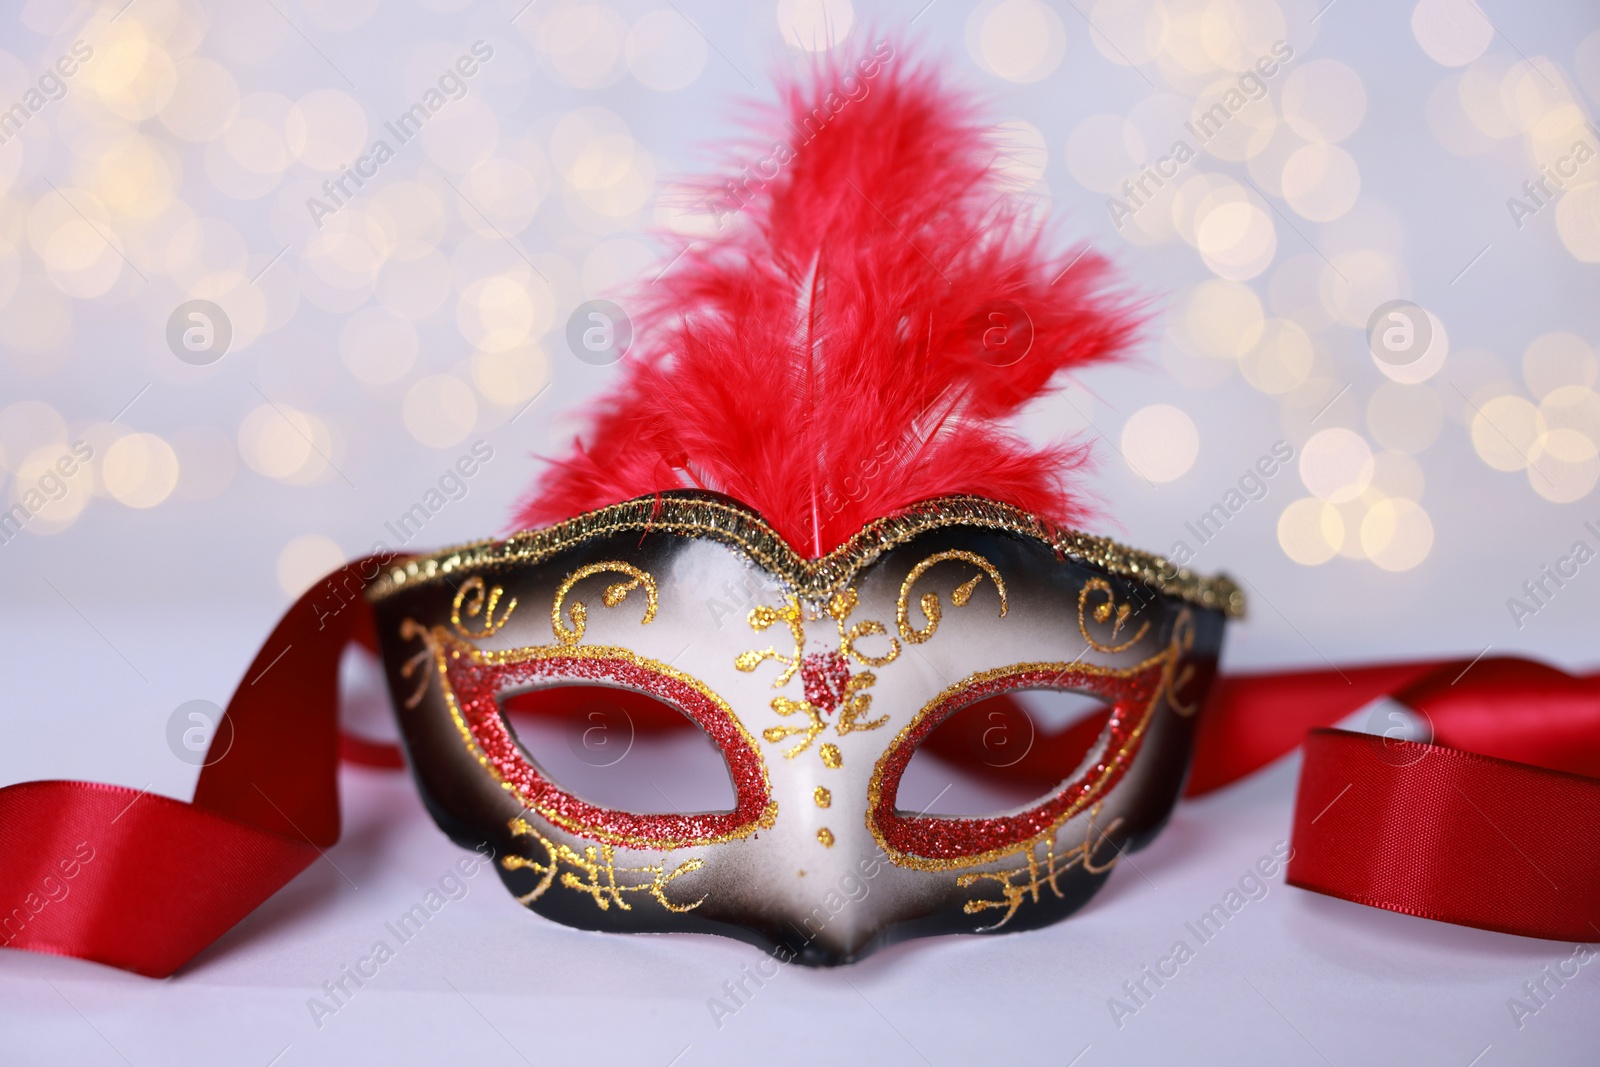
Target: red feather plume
[822, 358]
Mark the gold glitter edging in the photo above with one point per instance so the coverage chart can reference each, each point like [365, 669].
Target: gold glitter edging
[443, 646]
[953, 863]
[702, 515]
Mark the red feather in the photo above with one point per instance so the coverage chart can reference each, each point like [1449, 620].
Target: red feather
[818, 359]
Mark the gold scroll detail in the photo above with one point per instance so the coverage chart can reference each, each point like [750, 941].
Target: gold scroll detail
[1038, 873]
[594, 873]
[855, 702]
[614, 594]
[929, 602]
[471, 600]
[1107, 611]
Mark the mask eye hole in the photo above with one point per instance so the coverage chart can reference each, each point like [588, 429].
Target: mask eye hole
[1003, 752]
[619, 749]
[910, 836]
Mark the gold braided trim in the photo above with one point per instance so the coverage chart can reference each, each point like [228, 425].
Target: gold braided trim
[694, 514]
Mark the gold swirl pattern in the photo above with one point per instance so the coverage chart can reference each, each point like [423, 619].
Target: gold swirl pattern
[613, 595]
[930, 601]
[1108, 611]
[473, 587]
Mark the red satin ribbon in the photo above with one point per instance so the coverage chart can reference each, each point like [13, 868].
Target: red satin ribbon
[164, 879]
[1488, 827]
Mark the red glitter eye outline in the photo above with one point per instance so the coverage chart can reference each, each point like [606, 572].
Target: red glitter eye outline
[941, 842]
[473, 680]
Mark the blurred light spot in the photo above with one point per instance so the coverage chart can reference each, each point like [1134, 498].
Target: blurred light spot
[39, 481]
[1321, 182]
[1236, 33]
[1396, 534]
[1536, 97]
[1556, 359]
[1405, 418]
[378, 345]
[664, 51]
[28, 426]
[1236, 238]
[255, 136]
[1505, 430]
[1280, 359]
[414, 214]
[1452, 128]
[1127, 32]
[815, 25]
[304, 561]
[462, 136]
[140, 470]
[1563, 465]
[415, 289]
[1310, 531]
[281, 442]
[130, 73]
[1160, 442]
[504, 191]
[504, 311]
[1222, 319]
[513, 376]
[207, 257]
[440, 410]
[581, 43]
[1572, 407]
[37, 324]
[1451, 32]
[326, 130]
[1482, 100]
[1018, 40]
[1336, 464]
[204, 101]
[1578, 221]
[1357, 281]
[1324, 100]
[1233, 134]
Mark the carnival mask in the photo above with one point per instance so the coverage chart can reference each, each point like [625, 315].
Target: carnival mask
[816, 701]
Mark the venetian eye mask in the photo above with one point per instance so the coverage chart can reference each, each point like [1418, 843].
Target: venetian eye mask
[817, 701]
